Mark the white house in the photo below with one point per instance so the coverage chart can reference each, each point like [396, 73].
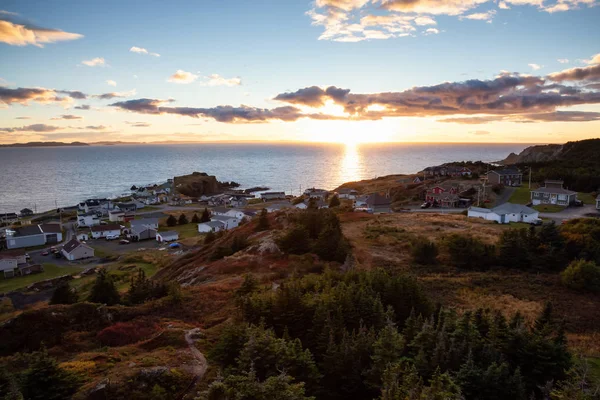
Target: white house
[316, 193]
[211, 226]
[167, 236]
[229, 222]
[277, 206]
[83, 236]
[101, 231]
[75, 250]
[88, 219]
[219, 210]
[318, 202]
[505, 213]
[235, 213]
[349, 194]
[10, 261]
[361, 202]
[116, 215]
[148, 222]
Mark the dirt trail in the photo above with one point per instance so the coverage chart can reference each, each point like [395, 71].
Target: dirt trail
[201, 365]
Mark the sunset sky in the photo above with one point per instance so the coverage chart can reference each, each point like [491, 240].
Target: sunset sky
[347, 71]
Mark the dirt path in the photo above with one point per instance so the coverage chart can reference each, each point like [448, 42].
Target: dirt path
[201, 365]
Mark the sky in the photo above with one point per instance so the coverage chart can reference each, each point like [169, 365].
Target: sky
[345, 71]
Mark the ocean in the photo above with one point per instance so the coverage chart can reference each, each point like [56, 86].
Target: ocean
[40, 177]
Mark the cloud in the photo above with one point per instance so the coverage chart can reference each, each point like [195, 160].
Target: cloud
[94, 127]
[141, 50]
[487, 16]
[67, 116]
[182, 76]
[425, 20]
[110, 82]
[112, 95]
[480, 133]
[138, 124]
[83, 107]
[22, 34]
[432, 31]
[563, 60]
[24, 96]
[95, 62]
[535, 67]
[32, 128]
[22, 117]
[503, 6]
[576, 74]
[218, 80]
[555, 116]
[594, 60]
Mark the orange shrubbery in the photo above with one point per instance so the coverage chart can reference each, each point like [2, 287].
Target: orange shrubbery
[124, 333]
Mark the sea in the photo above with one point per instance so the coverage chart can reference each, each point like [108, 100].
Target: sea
[42, 178]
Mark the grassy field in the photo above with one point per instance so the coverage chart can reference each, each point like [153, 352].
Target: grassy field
[185, 231]
[587, 198]
[50, 271]
[521, 195]
[548, 208]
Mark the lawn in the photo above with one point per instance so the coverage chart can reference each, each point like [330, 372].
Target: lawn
[587, 198]
[185, 231]
[150, 208]
[521, 195]
[548, 208]
[50, 271]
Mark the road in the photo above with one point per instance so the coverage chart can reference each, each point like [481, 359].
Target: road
[570, 213]
[505, 195]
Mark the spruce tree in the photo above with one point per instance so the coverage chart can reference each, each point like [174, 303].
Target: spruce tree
[64, 294]
[182, 219]
[424, 252]
[45, 380]
[195, 219]
[205, 215]
[171, 221]
[334, 202]
[104, 290]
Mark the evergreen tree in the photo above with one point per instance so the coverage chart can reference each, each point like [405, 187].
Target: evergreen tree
[104, 290]
[295, 241]
[210, 237]
[513, 250]
[171, 221]
[182, 219]
[64, 294]
[334, 202]
[263, 221]
[424, 252]
[143, 289]
[9, 389]
[45, 380]
[205, 215]
[387, 350]
[195, 219]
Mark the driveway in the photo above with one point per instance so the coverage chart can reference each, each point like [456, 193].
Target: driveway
[504, 196]
[570, 213]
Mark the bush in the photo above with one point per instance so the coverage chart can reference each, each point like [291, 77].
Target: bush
[64, 294]
[45, 379]
[171, 221]
[295, 241]
[468, 252]
[581, 274]
[334, 202]
[205, 215]
[104, 290]
[497, 188]
[424, 252]
[124, 333]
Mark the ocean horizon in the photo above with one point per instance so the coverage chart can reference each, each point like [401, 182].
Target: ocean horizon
[43, 177]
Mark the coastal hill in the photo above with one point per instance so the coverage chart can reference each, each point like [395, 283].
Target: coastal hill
[571, 151]
[198, 184]
[44, 144]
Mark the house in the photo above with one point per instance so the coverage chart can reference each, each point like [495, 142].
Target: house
[75, 250]
[28, 269]
[83, 237]
[52, 233]
[553, 193]
[452, 170]
[219, 210]
[9, 218]
[272, 196]
[211, 226]
[26, 212]
[349, 194]
[149, 222]
[443, 195]
[277, 206]
[116, 216]
[235, 213]
[229, 222]
[167, 236]
[598, 202]
[505, 213]
[360, 202]
[319, 203]
[88, 219]
[506, 177]
[127, 207]
[9, 262]
[91, 205]
[238, 201]
[316, 193]
[101, 231]
[26, 236]
[377, 204]
[142, 232]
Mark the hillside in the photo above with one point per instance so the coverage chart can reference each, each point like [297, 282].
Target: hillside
[197, 184]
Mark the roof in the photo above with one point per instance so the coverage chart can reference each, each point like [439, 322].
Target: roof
[554, 181]
[250, 213]
[553, 190]
[378, 200]
[220, 209]
[222, 217]
[12, 215]
[104, 228]
[510, 208]
[51, 228]
[507, 171]
[94, 213]
[481, 210]
[168, 233]
[212, 224]
[137, 229]
[144, 221]
[28, 231]
[72, 245]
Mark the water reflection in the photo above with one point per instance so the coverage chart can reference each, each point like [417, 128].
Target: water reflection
[351, 167]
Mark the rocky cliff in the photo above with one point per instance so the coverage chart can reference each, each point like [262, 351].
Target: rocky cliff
[534, 154]
[198, 184]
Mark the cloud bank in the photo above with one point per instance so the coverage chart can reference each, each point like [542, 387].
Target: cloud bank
[141, 50]
[15, 33]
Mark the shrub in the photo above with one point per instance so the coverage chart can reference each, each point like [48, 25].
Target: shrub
[171, 221]
[424, 252]
[468, 252]
[64, 294]
[497, 188]
[581, 274]
[295, 241]
[104, 290]
[334, 202]
[45, 379]
[124, 333]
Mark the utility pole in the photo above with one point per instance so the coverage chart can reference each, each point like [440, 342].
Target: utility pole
[529, 177]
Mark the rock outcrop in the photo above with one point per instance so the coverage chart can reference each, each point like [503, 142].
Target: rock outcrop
[534, 154]
[198, 184]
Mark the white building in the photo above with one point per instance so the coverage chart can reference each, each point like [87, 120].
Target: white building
[147, 222]
[505, 213]
[167, 236]
[211, 226]
[102, 231]
[75, 250]
[116, 215]
[349, 194]
[228, 221]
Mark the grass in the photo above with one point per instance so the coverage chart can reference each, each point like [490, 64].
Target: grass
[587, 198]
[548, 208]
[50, 271]
[185, 231]
[150, 208]
[521, 195]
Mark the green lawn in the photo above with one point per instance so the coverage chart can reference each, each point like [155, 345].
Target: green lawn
[521, 195]
[587, 198]
[50, 271]
[84, 284]
[185, 231]
[548, 208]
[150, 208]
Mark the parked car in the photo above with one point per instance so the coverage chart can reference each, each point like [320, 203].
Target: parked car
[45, 253]
[426, 205]
[536, 222]
[124, 241]
[53, 249]
[112, 237]
[27, 256]
[578, 203]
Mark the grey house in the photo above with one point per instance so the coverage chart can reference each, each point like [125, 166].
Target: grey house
[506, 177]
[26, 236]
[553, 192]
[377, 203]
